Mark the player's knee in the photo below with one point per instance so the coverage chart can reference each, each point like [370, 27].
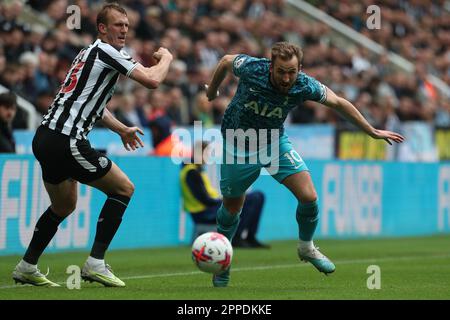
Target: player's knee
[71, 208]
[132, 188]
[309, 197]
[124, 189]
[64, 209]
[127, 189]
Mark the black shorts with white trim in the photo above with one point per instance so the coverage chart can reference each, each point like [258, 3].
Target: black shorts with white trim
[63, 157]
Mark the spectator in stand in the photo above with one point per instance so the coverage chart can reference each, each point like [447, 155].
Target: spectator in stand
[42, 103]
[29, 61]
[165, 143]
[178, 108]
[203, 110]
[142, 105]
[7, 112]
[128, 112]
[442, 116]
[417, 30]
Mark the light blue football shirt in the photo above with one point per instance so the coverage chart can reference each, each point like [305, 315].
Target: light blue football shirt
[258, 104]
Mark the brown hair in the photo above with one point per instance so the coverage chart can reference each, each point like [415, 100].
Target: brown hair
[102, 16]
[285, 51]
[8, 100]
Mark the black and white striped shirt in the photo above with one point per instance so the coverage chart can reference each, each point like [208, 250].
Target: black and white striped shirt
[87, 88]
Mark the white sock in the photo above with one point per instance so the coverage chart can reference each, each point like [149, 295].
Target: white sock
[95, 262]
[306, 245]
[27, 266]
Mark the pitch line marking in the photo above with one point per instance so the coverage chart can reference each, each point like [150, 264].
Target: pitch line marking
[281, 266]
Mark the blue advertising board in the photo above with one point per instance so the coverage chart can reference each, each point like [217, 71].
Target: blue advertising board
[305, 140]
[357, 199]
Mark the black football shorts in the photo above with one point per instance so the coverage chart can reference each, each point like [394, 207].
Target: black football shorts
[63, 157]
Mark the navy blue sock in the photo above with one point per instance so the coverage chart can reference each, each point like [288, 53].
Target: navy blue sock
[44, 231]
[108, 223]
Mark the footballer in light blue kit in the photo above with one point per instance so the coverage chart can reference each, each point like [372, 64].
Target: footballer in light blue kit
[267, 91]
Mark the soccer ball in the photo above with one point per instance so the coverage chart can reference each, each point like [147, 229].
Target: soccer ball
[212, 252]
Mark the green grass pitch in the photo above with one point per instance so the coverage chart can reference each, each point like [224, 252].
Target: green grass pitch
[411, 268]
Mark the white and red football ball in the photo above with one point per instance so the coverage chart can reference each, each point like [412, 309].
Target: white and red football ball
[212, 252]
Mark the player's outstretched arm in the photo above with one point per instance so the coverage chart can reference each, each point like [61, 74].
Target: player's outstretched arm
[130, 139]
[352, 114]
[153, 76]
[225, 64]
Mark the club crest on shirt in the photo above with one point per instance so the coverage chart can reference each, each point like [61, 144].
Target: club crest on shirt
[238, 62]
[125, 54]
[103, 162]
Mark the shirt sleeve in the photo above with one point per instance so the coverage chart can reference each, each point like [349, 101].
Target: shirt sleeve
[244, 65]
[117, 60]
[315, 90]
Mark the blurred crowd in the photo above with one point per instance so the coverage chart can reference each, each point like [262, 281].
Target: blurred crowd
[417, 30]
[34, 58]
